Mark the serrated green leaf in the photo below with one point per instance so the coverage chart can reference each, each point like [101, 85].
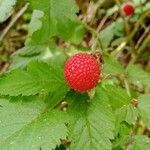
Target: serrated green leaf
[144, 108]
[57, 16]
[39, 77]
[118, 97]
[25, 124]
[122, 136]
[48, 53]
[111, 65]
[126, 114]
[30, 53]
[138, 77]
[114, 29]
[5, 8]
[141, 142]
[93, 123]
[126, 118]
[69, 30]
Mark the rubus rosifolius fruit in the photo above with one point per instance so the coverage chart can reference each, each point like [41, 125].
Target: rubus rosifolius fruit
[82, 72]
[127, 9]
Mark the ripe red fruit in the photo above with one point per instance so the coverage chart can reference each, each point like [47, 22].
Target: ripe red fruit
[82, 72]
[128, 9]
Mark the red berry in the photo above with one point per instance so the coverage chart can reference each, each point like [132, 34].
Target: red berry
[82, 72]
[128, 9]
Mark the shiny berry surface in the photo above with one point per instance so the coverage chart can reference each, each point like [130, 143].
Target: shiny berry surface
[82, 72]
[128, 9]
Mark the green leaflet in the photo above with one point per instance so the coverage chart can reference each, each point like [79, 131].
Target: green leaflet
[93, 122]
[38, 78]
[144, 108]
[141, 142]
[25, 124]
[55, 18]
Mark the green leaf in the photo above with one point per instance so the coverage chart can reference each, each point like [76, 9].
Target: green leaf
[61, 147]
[5, 8]
[69, 30]
[119, 27]
[111, 65]
[126, 118]
[138, 2]
[30, 53]
[93, 122]
[107, 35]
[114, 29]
[25, 124]
[35, 23]
[47, 53]
[138, 77]
[39, 77]
[144, 108]
[141, 142]
[57, 16]
[118, 97]
[126, 114]
[112, 10]
[122, 137]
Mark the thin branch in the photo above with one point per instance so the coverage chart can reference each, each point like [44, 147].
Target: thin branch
[17, 16]
[142, 37]
[119, 48]
[127, 87]
[94, 33]
[139, 22]
[93, 42]
[144, 44]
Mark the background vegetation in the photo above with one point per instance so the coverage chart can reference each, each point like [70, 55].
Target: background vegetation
[38, 111]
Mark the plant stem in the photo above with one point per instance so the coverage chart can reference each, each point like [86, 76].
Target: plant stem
[94, 33]
[139, 22]
[144, 44]
[127, 86]
[12, 22]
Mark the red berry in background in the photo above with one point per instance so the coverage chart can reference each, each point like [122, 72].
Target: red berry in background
[82, 72]
[128, 9]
